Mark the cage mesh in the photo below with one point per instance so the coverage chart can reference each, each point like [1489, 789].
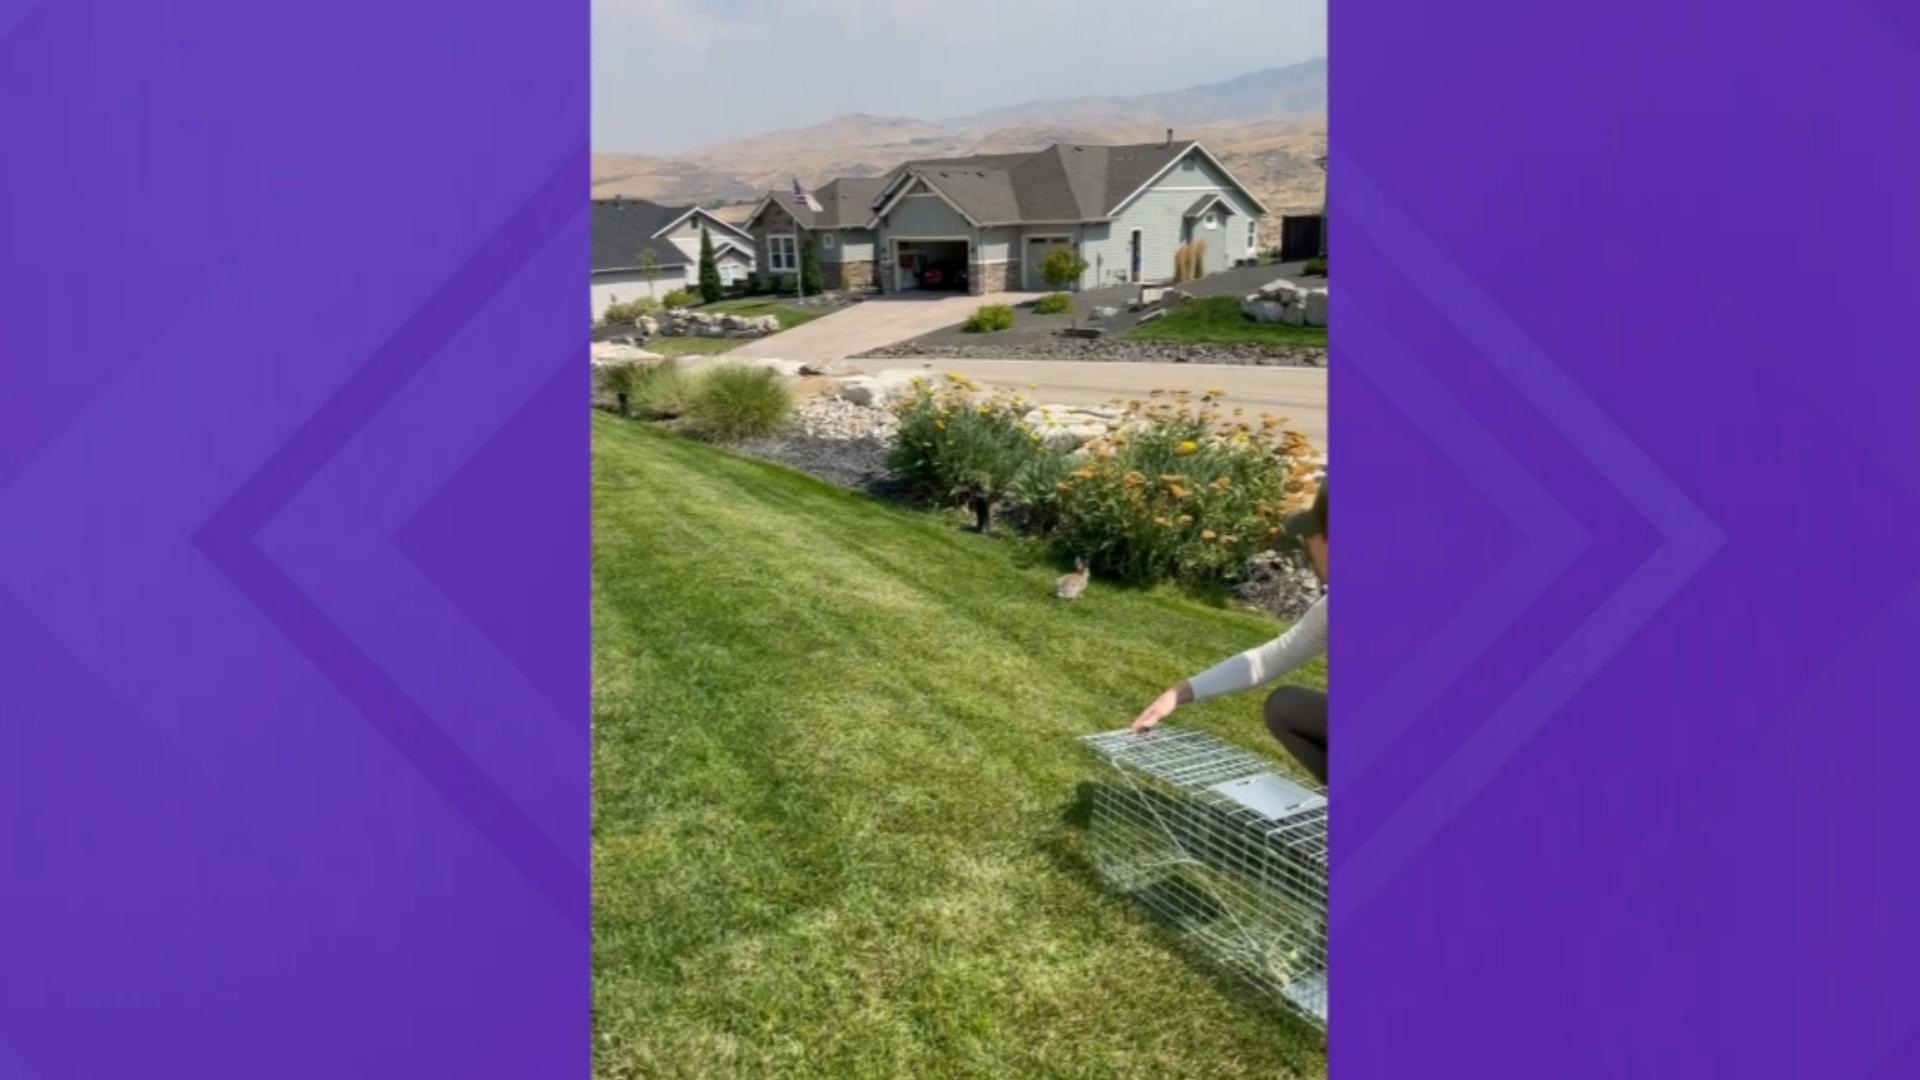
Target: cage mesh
[1226, 851]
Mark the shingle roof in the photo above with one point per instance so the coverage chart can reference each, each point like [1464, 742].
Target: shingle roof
[623, 228]
[1064, 182]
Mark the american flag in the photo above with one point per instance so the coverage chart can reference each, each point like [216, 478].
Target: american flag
[801, 196]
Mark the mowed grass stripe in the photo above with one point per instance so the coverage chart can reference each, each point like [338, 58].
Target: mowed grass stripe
[835, 778]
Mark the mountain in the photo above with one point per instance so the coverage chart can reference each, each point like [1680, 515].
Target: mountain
[1267, 126]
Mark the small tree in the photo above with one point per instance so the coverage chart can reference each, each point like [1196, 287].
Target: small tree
[809, 266]
[1062, 268]
[649, 269]
[709, 269]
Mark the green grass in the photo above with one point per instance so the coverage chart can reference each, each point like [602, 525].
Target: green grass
[837, 794]
[691, 346]
[1218, 320]
[790, 315]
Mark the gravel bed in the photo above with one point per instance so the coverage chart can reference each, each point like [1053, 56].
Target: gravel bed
[1279, 585]
[1108, 351]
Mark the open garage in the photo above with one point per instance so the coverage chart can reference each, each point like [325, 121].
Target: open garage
[935, 264]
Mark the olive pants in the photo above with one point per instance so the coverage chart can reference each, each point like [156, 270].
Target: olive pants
[1297, 717]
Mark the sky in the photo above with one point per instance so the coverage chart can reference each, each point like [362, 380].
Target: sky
[670, 75]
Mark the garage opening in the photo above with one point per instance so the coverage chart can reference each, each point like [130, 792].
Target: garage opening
[932, 265]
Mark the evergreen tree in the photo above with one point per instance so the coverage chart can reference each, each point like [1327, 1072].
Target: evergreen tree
[809, 267]
[709, 269]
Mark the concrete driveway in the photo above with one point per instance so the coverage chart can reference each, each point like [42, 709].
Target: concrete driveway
[869, 325]
[1297, 393]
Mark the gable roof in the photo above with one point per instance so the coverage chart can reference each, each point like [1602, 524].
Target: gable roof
[1065, 182]
[623, 228]
[710, 216]
[845, 203]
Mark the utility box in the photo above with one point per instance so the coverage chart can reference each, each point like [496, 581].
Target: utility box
[1226, 850]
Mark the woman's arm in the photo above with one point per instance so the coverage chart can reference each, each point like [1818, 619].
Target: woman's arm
[1301, 642]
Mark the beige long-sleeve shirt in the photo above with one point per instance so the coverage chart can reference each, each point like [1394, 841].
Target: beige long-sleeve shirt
[1301, 642]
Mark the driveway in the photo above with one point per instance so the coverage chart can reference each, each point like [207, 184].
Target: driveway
[869, 325]
[1297, 393]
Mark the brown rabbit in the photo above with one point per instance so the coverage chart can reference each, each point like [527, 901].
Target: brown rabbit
[1070, 586]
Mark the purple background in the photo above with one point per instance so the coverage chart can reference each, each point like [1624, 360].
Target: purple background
[1626, 385]
[293, 540]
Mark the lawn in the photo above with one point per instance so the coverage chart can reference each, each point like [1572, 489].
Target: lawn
[1219, 320]
[837, 820]
[790, 315]
[688, 345]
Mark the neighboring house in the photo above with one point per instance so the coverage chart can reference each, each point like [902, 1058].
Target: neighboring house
[841, 231]
[624, 228]
[1125, 208]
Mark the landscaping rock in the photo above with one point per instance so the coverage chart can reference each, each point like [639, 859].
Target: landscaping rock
[1104, 312]
[1279, 585]
[1106, 350]
[1262, 310]
[1316, 307]
[877, 391]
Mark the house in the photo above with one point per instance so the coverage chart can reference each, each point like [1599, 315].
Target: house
[841, 230]
[984, 222]
[625, 229]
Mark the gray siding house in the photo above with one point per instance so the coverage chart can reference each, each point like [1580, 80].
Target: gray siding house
[983, 223]
[624, 228]
[841, 232]
[1125, 208]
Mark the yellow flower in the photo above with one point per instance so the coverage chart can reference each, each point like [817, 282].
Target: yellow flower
[1229, 541]
[1163, 522]
[940, 425]
[1216, 392]
[1186, 519]
[1223, 483]
[1134, 478]
[1083, 473]
[1208, 534]
[1187, 446]
[956, 377]
[983, 410]
[1063, 486]
[1178, 492]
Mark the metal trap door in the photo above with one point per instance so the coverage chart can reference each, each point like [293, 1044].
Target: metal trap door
[1270, 795]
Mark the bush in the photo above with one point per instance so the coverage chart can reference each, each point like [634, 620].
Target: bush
[680, 298]
[1177, 494]
[709, 268]
[1053, 304]
[810, 265]
[738, 402]
[1062, 267]
[1189, 261]
[630, 312]
[988, 319]
[661, 391]
[1316, 266]
[953, 450]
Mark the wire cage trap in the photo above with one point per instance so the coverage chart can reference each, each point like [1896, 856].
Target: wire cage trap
[1228, 852]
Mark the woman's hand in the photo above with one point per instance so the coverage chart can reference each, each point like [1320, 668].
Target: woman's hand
[1158, 709]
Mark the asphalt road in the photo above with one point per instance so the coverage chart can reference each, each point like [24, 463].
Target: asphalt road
[1300, 394]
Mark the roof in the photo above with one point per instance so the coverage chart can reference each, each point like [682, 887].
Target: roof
[623, 228]
[1064, 182]
[845, 203]
[1203, 202]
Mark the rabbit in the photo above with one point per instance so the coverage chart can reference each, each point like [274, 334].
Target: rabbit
[1070, 586]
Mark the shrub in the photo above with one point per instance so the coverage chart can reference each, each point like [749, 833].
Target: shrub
[661, 391]
[709, 269]
[617, 383]
[1175, 493]
[618, 314]
[1062, 267]
[1053, 304]
[737, 402]
[1189, 261]
[988, 319]
[809, 266]
[953, 450]
[1316, 266]
[680, 298]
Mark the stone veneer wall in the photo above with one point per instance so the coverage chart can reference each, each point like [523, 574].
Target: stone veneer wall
[991, 277]
[848, 277]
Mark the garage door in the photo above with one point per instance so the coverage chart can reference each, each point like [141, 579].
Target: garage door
[1037, 249]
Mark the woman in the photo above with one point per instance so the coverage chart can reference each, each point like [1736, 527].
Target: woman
[1296, 715]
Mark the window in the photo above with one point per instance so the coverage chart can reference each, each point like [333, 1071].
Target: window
[1253, 237]
[782, 254]
[826, 240]
[1212, 221]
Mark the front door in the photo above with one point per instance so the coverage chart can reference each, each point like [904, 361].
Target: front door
[1134, 263]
